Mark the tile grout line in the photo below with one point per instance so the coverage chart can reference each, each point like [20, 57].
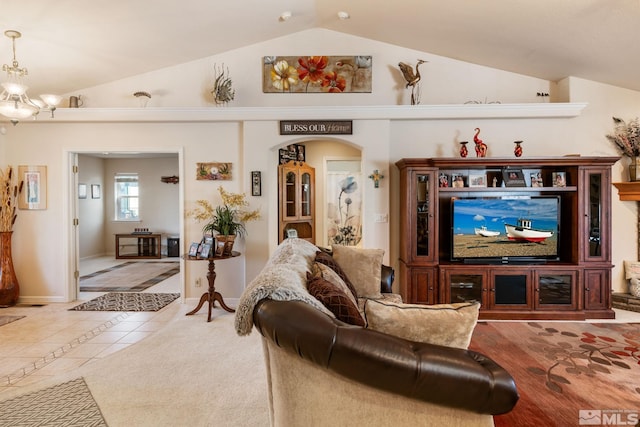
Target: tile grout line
[21, 373]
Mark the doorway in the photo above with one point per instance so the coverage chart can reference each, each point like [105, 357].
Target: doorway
[317, 151]
[95, 222]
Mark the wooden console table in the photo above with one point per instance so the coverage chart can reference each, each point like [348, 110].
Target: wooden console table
[211, 296]
[149, 246]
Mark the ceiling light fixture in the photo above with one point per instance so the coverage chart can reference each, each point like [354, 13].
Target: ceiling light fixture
[15, 104]
[343, 15]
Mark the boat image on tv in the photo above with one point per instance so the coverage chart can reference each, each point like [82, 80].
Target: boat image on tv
[505, 229]
[482, 231]
[524, 232]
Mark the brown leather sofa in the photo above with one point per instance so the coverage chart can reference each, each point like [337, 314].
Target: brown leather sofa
[322, 371]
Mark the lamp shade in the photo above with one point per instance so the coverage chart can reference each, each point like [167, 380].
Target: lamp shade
[17, 110]
[50, 99]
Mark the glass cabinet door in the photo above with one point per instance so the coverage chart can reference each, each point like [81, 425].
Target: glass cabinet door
[423, 215]
[290, 195]
[305, 194]
[555, 290]
[595, 227]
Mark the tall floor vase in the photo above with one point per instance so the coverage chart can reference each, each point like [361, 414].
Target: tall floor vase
[9, 288]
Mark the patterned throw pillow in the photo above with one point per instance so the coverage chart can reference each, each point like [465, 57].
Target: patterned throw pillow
[337, 301]
[321, 270]
[326, 259]
[449, 325]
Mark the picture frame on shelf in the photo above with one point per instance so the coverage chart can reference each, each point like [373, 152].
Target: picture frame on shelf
[444, 180]
[193, 249]
[536, 179]
[559, 179]
[477, 180]
[457, 180]
[513, 178]
[204, 251]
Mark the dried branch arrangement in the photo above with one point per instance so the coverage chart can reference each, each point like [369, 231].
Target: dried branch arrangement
[8, 198]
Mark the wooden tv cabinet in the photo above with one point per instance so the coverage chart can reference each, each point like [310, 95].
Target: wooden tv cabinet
[575, 286]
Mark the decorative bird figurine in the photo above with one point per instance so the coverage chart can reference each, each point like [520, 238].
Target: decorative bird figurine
[481, 147]
[411, 77]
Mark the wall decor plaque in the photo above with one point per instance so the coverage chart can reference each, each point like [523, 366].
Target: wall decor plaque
[316, 127]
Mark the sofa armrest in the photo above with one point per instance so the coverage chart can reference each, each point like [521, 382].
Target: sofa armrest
[441, 375]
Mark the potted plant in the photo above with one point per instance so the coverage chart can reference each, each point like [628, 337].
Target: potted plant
[626, 137]
[225, 221]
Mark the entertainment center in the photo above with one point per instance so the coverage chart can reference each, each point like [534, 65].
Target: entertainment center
[530, 238]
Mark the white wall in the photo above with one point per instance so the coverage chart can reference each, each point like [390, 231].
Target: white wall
[444, 80]
[91, 211]
[252, 144]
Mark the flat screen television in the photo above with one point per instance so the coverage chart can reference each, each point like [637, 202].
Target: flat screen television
[505, 229]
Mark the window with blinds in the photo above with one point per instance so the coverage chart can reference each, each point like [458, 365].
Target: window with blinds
[127, 197]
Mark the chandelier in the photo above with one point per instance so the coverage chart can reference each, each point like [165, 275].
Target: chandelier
[15, 104]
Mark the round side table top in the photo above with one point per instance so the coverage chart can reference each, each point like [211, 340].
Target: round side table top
[212, 258]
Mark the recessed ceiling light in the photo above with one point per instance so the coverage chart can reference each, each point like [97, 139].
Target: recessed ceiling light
[343, 15]
[284, 16]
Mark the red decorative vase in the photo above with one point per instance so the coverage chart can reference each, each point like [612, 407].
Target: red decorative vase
[9, 288]
[464, 152]
[518, 148]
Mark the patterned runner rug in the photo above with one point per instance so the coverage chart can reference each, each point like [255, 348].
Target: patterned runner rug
[133, 276]
[8, 319]
[127, 301]
[567, 373]
[68, 404]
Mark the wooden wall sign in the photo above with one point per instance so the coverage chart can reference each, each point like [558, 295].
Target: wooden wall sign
[316, 127]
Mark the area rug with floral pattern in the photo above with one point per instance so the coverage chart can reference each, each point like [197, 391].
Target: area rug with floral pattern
[567, 373]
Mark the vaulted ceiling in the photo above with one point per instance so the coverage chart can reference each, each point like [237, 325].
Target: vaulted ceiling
[73, 44]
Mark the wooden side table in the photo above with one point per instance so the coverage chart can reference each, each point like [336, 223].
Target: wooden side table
[148, 245]
[211, 296]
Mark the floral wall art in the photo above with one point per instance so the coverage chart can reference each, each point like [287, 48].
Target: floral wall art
[213, 171]
[316, 74]
[344, 209]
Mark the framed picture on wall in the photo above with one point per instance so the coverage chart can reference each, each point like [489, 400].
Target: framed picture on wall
[82, 191]
[34, 191]
[95, 191]
[256, 183]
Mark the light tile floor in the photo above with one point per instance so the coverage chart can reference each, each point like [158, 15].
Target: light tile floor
[52, 340]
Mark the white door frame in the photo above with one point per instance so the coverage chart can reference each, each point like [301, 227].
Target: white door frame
[71, 229]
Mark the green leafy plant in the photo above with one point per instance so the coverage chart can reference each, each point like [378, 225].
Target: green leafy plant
[226, 219]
